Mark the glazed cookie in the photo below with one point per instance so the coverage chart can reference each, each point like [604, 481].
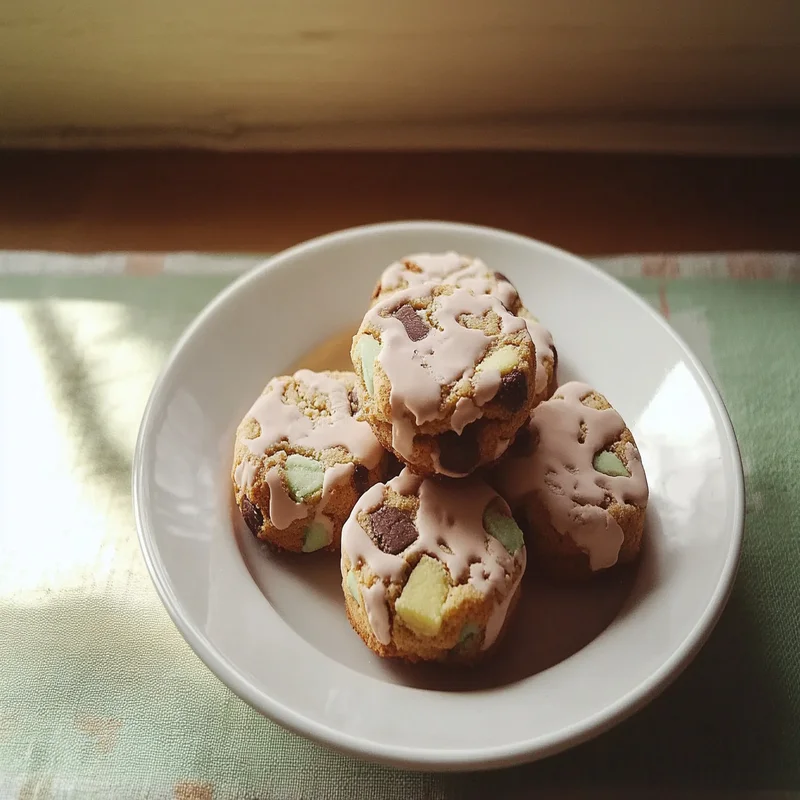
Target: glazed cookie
[431, 568]
[473, 274]
[453, 268]
[574, 478]
[303, 456]
[446, 377]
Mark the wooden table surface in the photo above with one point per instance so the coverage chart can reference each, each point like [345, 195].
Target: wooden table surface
[259, 202]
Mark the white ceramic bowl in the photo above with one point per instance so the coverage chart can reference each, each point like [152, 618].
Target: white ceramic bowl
[273, 628]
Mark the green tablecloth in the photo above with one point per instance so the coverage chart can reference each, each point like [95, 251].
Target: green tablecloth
[99, 694]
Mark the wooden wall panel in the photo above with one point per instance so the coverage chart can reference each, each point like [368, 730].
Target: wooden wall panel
[585, 74]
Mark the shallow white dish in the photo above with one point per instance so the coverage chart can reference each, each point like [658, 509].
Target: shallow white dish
[273, 628]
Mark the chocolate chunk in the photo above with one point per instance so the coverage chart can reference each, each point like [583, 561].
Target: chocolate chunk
[513, 391]
[252, 515]
[392, 529]
[415, 326]
[459, 454]
[500, 277]
[353, 397]
[361, 478]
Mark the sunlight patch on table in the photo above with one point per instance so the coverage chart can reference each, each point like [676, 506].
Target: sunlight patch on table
[64, 519]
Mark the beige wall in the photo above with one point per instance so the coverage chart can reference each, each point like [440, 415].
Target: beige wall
[673, 74]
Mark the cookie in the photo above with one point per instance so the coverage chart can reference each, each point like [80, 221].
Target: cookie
[575, 482]
[475, 275]
[445, 377]
[304, 454]
[431, 568]
[453, 268]
[546, 358]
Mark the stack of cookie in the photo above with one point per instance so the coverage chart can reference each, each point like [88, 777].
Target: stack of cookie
[425, 465]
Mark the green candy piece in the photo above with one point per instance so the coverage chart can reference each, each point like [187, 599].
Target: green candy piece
[468, 634]
[352, 585]
[303, 476]
[368, 349]
[315, 537]
[503, 528]
[609, 464]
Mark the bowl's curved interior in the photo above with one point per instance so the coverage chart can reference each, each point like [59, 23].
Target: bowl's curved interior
[273, 627]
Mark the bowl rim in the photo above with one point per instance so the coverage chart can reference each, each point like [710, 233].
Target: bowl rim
[405, 757]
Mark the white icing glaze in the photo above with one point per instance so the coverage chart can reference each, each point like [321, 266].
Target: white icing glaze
[334, 476]
[282, 421]
[466, 411]
[388, 567]
[405, 483]
[543, 342]
[377, 611]
[498, 616]
[283, 511]
[486, 383]
[475, 275]
[284, 426]
[561, 474]
[453, 268]
[245, 473]
[449, 353]
[450, 526]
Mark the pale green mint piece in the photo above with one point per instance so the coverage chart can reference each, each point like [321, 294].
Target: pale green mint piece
[303, 476]
[503, 528]
[315, 537]
[368, 349]
[609, 464]
[469, 631]
[352, 585]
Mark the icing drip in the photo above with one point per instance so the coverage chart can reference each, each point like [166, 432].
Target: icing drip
[360, 548]
[458, 270]
[245, 474]
[283, 511]
[543, 342]
[499, 613]
[406, 482]
[377, 611]
[282, 421]
[561, 473]
[486, 383]
[450, 526]
[466, 412]
[335, 476]
[449, 353]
